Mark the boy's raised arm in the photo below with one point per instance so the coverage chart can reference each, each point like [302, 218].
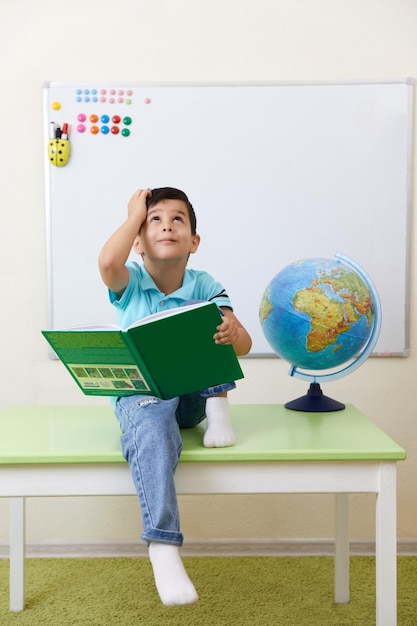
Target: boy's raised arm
[114, 254]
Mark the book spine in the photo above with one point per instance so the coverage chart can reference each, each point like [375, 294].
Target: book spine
[154, 389]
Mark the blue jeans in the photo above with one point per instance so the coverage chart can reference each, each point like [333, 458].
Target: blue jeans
[151, 444]
[210, 392]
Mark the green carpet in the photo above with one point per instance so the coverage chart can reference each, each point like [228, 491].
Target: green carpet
[243, 591]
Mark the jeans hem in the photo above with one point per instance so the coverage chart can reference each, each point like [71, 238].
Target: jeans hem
[174, 539]
[211, 392]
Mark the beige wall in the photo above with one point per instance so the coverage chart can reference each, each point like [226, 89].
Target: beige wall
[185, 40]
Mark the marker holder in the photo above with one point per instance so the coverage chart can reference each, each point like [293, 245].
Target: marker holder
[58, 152]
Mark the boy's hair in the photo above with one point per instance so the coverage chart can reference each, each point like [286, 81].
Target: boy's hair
[170, 193]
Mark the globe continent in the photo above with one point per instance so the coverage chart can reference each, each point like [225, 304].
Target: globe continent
[317, 313]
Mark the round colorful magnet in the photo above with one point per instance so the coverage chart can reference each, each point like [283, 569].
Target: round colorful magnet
[56, 106]
[105, 130]
[115, 130]
[125, 132]
[93, 118]
[104, 119]
[127, 121]
[81, 117]
[94, 130]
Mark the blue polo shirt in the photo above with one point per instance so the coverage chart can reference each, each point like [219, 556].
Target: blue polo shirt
[142, 297]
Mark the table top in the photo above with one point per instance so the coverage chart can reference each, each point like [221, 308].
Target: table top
[264, 432]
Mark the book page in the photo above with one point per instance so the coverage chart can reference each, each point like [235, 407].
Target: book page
[144, 320]
[168, 313]
[94, 327]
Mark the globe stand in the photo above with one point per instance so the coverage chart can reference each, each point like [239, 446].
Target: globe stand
[314, 402]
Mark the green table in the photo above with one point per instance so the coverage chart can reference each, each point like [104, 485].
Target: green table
[75, 451]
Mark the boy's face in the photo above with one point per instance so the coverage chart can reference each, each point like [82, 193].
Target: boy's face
[166, 232]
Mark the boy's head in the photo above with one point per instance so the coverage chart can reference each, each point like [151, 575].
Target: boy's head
[170, 193]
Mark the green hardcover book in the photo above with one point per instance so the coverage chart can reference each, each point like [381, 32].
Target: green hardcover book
[168, 354]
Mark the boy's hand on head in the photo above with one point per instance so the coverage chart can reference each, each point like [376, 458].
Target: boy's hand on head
[136, 207]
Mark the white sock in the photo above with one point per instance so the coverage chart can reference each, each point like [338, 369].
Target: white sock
[171, 579]
[219, 432]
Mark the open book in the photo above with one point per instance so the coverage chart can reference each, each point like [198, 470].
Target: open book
[167, 354]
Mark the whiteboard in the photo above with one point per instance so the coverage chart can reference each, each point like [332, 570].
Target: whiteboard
[275, 172]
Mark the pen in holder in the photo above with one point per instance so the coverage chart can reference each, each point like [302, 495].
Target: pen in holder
[59, 146]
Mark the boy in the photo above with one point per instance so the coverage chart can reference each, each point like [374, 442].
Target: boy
[161, 227]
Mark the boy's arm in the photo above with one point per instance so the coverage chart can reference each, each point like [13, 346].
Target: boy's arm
[115, 252]
[231, 331]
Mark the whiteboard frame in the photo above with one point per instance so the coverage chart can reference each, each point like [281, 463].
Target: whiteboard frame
[410, 82]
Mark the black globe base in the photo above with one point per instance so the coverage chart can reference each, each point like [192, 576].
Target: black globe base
[315, 402]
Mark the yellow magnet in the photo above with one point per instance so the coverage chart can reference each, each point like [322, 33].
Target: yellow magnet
[58, 152]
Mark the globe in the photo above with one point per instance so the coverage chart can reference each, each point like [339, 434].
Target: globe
[323, 316]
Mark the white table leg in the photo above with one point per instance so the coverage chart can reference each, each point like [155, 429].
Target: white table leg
[386, 546]
[17, 554]
[341, 564]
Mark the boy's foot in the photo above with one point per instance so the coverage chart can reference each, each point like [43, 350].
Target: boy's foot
[171, 579]
[219, 431]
